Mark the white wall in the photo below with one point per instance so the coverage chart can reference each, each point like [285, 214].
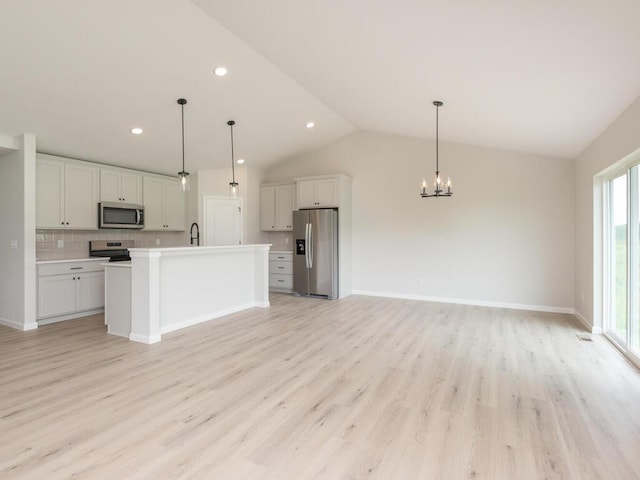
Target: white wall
[618, 141]
[17, 216]
[506, 237]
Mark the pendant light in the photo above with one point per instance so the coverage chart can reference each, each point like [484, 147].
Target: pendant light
[439, 186]
[233, 185]
[183, 175]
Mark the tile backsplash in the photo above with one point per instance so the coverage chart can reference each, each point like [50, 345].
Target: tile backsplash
[281, 240]
[75, 243]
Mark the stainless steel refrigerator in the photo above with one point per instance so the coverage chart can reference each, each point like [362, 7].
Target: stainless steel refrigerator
[315, 259]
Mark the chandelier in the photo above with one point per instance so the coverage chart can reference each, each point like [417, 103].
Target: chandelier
[438, 184]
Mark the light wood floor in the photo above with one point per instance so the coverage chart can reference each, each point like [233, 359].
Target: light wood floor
[348, 389]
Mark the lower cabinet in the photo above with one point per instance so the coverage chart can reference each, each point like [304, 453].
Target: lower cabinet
[281, 271]
[69, 289]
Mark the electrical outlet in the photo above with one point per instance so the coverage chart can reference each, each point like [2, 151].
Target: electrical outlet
[13, 244]
[157, 242]
[286, 240]
[60, 243]
[421, 282]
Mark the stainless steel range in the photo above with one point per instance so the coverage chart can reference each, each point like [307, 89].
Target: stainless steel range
[115, 250]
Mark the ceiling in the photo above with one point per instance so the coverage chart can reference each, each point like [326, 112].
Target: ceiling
[536, 76]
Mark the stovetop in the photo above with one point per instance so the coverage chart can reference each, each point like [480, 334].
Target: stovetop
[114, 250]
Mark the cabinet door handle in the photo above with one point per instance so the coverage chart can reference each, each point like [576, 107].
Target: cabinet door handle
[75, 268]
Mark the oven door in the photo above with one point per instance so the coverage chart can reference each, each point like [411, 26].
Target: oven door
[120, 215]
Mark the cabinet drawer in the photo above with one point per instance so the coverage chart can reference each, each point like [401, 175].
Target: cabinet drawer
[277, 280]
[281, 267]
[281, 257]
[70, 267]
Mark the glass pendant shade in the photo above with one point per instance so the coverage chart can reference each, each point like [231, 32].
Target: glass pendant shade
[234, 189]
[184, 180]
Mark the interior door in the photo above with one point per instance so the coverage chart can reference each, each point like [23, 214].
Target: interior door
[222, 221]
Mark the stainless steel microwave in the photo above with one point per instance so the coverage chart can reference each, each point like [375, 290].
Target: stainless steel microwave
[120, 215]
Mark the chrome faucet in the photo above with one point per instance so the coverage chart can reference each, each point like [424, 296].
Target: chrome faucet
[197, 237]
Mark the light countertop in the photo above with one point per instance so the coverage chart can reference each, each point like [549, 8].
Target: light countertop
[125, 264]
[70, 260]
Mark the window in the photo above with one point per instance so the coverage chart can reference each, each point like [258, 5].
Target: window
[622, 255]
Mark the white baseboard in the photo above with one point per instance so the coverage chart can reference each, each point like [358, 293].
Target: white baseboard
[69, 316]
[17, 325]
[587, 325]
[210, 316]
[134, 337]
[460, 301]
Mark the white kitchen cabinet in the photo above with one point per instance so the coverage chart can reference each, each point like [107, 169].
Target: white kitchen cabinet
[281, 271]
[318, 192]
[267, 208]
[69, 289]
[163, 202]
[120, 186]
[284, 206]
[56, 295]
[277, 203]
[49, 194]
[66, 194]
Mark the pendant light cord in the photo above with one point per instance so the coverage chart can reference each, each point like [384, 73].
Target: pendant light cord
[233, 166]
[182, 107]
[437, 141]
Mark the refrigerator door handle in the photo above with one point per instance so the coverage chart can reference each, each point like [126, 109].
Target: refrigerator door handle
[310, 247]
[306, 243]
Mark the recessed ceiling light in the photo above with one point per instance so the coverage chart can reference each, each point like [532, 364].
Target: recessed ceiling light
[310, 125]
[240, 161]
[220, 71]
[136, 131]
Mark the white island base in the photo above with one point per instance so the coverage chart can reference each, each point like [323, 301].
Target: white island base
[174, 288]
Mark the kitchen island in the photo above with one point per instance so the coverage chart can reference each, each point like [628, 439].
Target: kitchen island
[174, 288]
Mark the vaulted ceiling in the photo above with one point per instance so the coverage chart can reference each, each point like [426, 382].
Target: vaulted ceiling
[537, 76]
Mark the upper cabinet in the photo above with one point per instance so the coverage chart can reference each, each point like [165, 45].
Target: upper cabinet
[120, 186]
[66, 193]
[318, 192]
[284, 206]
[164, 205]
[277, 203]
[328, 191]
[267, 208]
